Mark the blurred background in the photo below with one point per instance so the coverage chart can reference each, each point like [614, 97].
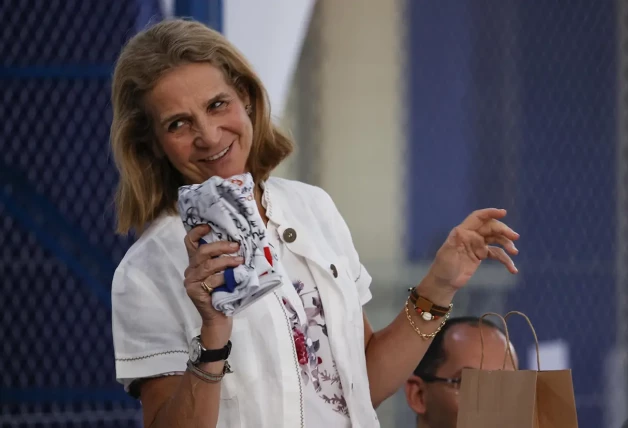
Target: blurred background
[409, 113]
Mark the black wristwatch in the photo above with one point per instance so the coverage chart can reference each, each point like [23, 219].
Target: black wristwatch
[198, 354]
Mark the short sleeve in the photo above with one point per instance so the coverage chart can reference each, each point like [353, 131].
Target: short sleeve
[151, 315]
[358, 271]
[363, 283]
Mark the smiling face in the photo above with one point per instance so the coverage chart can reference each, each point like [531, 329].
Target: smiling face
[201, 122]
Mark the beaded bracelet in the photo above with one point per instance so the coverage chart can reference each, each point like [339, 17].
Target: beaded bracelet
[424, 336]
[426, 308]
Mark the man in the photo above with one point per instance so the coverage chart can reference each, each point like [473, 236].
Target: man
[432, 392]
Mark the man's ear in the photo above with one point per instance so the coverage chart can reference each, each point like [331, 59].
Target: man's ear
[415, 394]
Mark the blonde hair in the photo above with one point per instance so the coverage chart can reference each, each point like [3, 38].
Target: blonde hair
[149, 183]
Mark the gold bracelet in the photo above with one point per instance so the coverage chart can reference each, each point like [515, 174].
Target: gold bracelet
[424, 336]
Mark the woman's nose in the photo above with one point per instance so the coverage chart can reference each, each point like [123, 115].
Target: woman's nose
[208, 133]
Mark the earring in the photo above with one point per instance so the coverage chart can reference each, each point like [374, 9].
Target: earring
[248, 109]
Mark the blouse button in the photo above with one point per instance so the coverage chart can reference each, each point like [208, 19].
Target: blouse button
[289, 235]
[334, 271]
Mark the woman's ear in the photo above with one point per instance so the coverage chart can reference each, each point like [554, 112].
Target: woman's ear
[415, 394]
[244, 92]
[248, 105]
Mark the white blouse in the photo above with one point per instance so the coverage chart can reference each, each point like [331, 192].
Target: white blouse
[276, 381]
[325, 405]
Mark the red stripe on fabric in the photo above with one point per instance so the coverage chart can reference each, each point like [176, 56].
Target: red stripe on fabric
[268, 255]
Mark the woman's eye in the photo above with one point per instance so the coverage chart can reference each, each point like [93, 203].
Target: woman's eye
[176, 125]
[216, 105]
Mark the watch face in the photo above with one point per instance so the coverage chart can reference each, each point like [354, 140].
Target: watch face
[195, 350]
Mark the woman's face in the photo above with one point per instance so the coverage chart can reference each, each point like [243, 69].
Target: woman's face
[201, 122]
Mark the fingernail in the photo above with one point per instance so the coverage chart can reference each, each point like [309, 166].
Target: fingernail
[239, 259]
[234, 245]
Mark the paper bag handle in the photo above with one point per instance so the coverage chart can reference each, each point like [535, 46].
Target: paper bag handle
[503, 320]
[536, 340]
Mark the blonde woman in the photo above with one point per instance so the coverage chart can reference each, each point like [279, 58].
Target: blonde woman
[187, 106]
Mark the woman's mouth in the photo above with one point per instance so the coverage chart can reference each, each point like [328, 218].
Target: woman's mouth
[221, 154]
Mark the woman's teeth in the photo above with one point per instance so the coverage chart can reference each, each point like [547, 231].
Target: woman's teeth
[218, 155]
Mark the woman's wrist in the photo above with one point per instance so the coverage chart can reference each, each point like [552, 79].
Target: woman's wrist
[215, 368]
[215, 336]
[438, 293]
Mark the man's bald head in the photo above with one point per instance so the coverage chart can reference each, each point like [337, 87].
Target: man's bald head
[433, 390]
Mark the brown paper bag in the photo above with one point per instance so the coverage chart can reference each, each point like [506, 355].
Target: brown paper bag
[516, 399]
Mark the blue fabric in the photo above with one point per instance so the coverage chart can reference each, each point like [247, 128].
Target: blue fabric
[230, 282]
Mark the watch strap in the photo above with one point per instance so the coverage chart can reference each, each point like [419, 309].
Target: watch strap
[426, 308]
[213, 355]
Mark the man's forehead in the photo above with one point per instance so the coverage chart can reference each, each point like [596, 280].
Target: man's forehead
[463, 344]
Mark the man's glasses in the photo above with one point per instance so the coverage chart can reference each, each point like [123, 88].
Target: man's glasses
[454, 382]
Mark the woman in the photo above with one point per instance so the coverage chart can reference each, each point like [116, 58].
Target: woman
[187, 106]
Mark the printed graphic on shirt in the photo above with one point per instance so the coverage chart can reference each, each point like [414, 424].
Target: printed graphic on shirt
[313, 351]
[228, 206]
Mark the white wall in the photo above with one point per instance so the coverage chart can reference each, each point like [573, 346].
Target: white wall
[361, 124]
[360, 132]
[270, 33]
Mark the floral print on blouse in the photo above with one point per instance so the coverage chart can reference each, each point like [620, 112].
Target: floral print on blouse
[313, 351]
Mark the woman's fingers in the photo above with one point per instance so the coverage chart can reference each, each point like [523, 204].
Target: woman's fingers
[499, 254]
[496, 227]
[476, 219]
[474, 243]
[215, 280]
[193, 236]
[210, 267]
[196, 286]
[486, 222]
[506, 243]
[209, 251]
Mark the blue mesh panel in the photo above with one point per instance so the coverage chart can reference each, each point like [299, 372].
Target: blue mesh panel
[514, 105]
[56, 211]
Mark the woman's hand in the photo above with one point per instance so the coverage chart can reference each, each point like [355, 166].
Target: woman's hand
[471, 242]
[207, 266]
